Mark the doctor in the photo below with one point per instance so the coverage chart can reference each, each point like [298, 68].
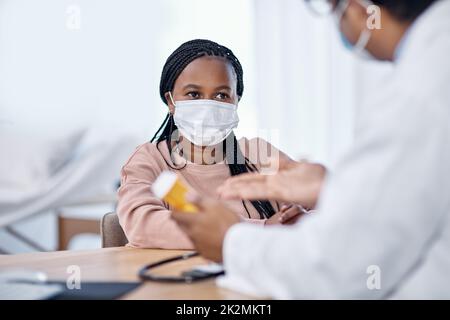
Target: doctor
[382, 229]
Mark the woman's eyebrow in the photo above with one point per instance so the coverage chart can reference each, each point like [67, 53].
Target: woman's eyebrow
[223, 88]
[191, 86]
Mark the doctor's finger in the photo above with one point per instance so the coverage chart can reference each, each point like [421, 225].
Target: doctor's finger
[246, 177]
[283, 163]
[249, 191]
[230, 186]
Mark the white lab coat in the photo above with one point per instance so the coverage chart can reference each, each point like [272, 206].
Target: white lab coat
[384, 212]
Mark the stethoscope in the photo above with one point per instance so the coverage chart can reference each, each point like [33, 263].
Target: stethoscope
[186, 277]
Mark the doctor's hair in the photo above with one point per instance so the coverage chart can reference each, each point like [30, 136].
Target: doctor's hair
[405, 10]
[174, 66]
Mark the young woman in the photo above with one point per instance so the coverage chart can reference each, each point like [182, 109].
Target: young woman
[201, 84]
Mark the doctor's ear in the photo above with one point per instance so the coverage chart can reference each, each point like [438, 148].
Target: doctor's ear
[356, 9]
[169, 102]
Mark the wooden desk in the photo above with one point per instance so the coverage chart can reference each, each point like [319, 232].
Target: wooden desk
[121, 264]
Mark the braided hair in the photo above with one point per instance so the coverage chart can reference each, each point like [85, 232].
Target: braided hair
[174, 66]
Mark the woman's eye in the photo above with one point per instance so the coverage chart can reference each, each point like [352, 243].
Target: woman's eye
[193, 94]
[222, 96]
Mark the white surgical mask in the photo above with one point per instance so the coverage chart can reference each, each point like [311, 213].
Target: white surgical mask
[205, 122]
[359, 48]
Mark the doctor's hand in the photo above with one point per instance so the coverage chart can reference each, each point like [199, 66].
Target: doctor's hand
[297, 182]
[208, 227]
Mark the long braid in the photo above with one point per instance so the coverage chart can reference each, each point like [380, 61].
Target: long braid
[173, 67]
[238, 164]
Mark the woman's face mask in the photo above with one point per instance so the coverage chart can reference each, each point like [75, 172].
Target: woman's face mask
[205, 122]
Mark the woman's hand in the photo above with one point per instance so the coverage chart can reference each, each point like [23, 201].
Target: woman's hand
[288, 215]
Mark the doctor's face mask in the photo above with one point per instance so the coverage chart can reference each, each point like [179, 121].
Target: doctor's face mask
[337, 8]
[359, 48]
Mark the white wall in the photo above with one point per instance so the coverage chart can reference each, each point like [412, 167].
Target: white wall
[97, 63]
[101, 74]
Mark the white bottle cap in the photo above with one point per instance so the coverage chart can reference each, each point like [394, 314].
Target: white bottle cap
[164, 183]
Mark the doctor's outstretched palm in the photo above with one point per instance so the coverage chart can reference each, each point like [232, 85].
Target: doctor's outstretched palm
[297, 182]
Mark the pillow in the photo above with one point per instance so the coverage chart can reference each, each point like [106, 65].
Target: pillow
[28, 159]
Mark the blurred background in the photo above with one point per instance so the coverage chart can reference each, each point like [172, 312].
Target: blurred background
[79, 90]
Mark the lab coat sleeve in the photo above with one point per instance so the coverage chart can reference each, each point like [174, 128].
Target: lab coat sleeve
[377, 215]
